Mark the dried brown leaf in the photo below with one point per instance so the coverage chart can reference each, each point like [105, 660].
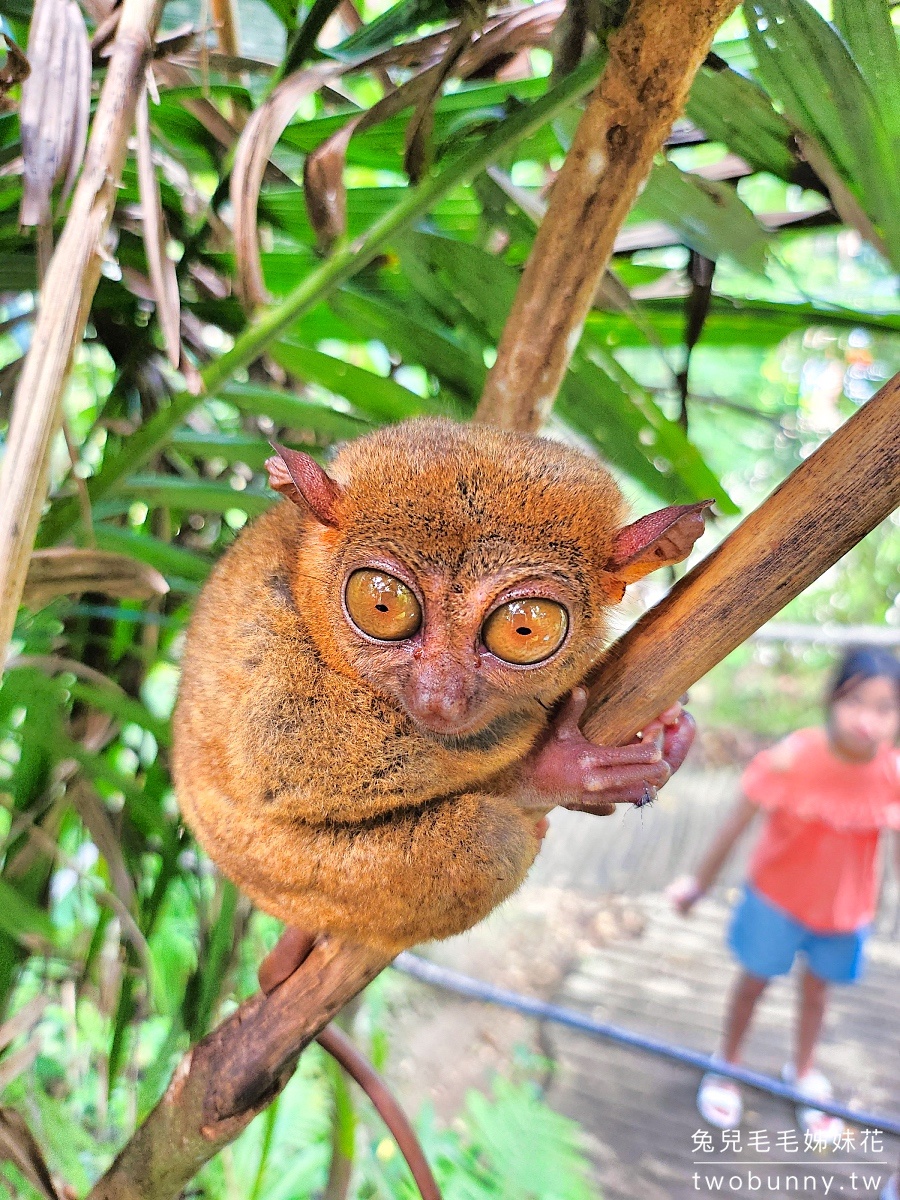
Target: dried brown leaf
[99, 10]
[163, 278]
[417, 154]
[173, 75]
[22, 1021]
[323, 184]
[98, 824]
[323, 171]
[256, 143]
[175, 41]
[55, 105]
[505, 36]
[845, 203]
[17, 1146]
[449, 52]
[16, 1064]
[65, 570]
[14, 71]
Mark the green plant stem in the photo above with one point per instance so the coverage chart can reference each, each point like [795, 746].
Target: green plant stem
[343, 1134]
[345, 262]
[269, 1119]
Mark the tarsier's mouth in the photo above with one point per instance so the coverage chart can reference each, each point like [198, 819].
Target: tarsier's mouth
[485, 737]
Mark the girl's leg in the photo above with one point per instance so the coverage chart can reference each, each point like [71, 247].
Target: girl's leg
[813, 997]
[744, 996]
[719, 1099]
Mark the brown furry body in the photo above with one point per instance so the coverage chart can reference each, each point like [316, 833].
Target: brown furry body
[296, 764]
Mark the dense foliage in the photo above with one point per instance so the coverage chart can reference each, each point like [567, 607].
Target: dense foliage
[751, 307]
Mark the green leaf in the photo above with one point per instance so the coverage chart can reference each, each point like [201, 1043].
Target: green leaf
[735, 110]
[285, 11]
[214, 962]
[415, 339]
[708, 216]
[173, 561]
[187, 495]
[458, 214]
[555, 1166]
[403, 19]
[21, 917]
[807, 68]
[18, 272]
[734, 321]
[626, 426]
[377, 397]
[284, 408]
[871, 36]
[113, 701]
[229, 447]
[381, 146]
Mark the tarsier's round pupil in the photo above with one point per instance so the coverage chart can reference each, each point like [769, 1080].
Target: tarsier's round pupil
[382, 606]
[525, 631]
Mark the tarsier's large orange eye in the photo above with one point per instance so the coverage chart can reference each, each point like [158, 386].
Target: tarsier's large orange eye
[382, 606]
[525, 631]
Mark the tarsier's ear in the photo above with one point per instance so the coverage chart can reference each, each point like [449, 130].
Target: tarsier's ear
[301, 479]
[658, 540]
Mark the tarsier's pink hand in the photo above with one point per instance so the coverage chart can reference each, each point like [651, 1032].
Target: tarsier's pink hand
[577, 774]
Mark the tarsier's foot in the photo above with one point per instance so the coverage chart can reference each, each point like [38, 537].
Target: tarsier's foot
[289, 952]
[594, 779]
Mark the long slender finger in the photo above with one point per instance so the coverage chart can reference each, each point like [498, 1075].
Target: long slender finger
[595, 806]
[637, 794]
[634, 754]
[566, 725]
[609, 779]
[678, 741]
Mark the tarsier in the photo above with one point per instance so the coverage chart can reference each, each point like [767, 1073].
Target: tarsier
[380, 697]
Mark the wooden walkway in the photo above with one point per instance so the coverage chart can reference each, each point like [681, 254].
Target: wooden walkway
[592, 930]
[639, 1110]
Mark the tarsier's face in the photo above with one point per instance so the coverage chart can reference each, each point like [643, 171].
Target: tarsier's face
[456, 651]
[467, 573]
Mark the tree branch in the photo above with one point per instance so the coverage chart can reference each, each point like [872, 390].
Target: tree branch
[653, 58]
[829, 503]
[234, 1072]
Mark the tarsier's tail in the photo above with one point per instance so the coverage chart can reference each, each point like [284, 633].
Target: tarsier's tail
[341, 1048]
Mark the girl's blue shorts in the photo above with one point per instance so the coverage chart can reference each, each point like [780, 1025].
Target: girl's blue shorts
[765, 940]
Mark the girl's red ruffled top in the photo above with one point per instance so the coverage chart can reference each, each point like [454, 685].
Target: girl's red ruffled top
[817, 855]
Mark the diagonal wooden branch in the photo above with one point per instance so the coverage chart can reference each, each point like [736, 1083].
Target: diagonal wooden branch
[233, 1073]
[66, 296]
[832, 500]
[653, 58]
[828, 504]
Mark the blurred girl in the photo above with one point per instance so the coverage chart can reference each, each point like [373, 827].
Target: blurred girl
[827, 793]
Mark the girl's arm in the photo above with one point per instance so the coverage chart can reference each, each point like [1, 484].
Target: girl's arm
[685, 894]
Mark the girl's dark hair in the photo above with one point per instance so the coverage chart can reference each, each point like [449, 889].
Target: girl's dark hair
[862, 663]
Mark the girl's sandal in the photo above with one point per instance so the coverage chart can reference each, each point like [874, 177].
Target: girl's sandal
[719, 1102]
[819, 1125]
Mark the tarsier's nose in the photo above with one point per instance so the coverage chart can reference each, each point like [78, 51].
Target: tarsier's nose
[437, 696]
